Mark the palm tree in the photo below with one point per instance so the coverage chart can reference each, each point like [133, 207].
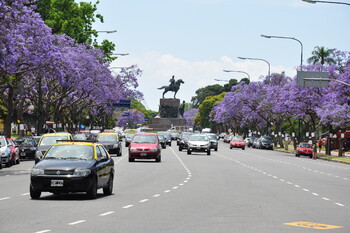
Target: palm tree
[322, 55]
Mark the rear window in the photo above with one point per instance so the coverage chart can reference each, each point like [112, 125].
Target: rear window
[50, 140]
[107, 138]
[199, 138]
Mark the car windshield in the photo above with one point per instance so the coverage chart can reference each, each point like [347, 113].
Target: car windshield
[237, 139]
[81, 152]
[161, 137]
[212, 137]
[50, 140]
[305, 145]
[199, 138]
[80, 136]
[25, 141]
[107, 138]
[266, 140]
[144, 139]
[186, 136]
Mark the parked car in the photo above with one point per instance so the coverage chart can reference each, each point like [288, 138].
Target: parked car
[73, 167]
[198, 143]
[111, 142]
[256, 143]
[250, 141]
[227, 138]
[183, 142]
[162, 140]
[15, 159]
[5, 150]
[213, 141]
[265, 142]
[144, 146]
[237, 142]
[304, 148]
[27, 146]
[48, 140]
[128, 137]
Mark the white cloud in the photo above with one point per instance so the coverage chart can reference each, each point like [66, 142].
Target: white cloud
[158, 69]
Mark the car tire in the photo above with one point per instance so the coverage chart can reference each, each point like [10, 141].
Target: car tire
[216, 149]
[9, 164]
[180, 148]
[243, 148]
[92, 192]
[188, 152]
[109, 189]
[208, 152]
[34, 194]
[18, 161]
[131, 160]
[0, 165]
[120, 153]
[159, 159]
[231, 148]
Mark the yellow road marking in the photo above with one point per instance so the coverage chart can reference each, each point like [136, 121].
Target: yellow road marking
[313, 225]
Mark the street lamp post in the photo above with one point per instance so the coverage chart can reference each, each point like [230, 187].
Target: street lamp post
[223, 80]
[238, 71]
[121, 54]
[290, 38]
[313, 2]
[111, 31]
[258, 59]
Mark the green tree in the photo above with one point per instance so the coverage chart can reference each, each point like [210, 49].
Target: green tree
[204, 92]
[204, 115]
[75, 20]
[321, 55]
[135, 104]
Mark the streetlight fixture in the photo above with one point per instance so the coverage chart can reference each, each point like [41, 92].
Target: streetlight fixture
[120, 54]
[238, 71]
[313, 2]
[259, 59]
[111, 31]
[223, 80]
[290, 38]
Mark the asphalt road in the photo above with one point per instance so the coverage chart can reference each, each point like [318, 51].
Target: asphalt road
[243, 191]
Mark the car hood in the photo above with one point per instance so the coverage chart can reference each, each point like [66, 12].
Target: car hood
[43, 148]
[64, 164]
[138, 145]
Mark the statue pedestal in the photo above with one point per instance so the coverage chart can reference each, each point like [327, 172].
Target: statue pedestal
[168, 116]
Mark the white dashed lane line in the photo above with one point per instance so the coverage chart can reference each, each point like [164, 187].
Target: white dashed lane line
[107, 213]
[76, 222]
[4, 198]
[43, 231]
[127, 206]
[282, 180]
[144, 200]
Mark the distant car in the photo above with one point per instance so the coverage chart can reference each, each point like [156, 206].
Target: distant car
[27, 146]
[183, 140]
[213, 141]
[256, 143]
[167, 136]
[6, 152]
[198, 143]
[265, 142]
[80, 136]
[237, 142]
[250, 141]
[174, 136]
[304, 148]
[128, 137]
[15, 159]
[48, 140]
[73, 167]
[111, 142]
[144, 146]
[222, 135]
[227, 138]
[162, 140]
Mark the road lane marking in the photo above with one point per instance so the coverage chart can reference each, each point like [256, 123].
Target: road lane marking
[315, 194]
[76, 222]
[43, 231]
[325, 198]
[128, 206]
[181, 184]
[167, 191]
[157, 195]
[25, 194]
[339, 204]
[313, 225]
[107, 213]
[298, 186]
[306, 190]
[175, 187]
[144, 200]
[4, 198]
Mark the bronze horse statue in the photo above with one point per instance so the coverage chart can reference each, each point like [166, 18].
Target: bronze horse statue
[175, 87]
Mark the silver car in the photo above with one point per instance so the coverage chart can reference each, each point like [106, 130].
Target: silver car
[198, 143]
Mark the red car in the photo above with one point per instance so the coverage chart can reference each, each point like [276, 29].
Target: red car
[144, 146]
[237, 142]
[304, 148]
[15, 159]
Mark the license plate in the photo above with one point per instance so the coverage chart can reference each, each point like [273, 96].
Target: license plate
[56, 183]
[198, 148]
[23, 153]
[143, 154]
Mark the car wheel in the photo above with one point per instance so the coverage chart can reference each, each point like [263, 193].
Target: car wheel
[120, 153]
[34, 194]
[131, 160]
[216, 149]
[0, 165]
[188, 152]
[310, 156]
[18, 161]
[9, 164]
[180, 148]
[158, 159]
[243, 148]
[208, 152]
[231, 148]
[109, 189]
[92, 192]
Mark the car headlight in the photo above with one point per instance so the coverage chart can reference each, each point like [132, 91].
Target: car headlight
[206, 144]
[132, 149]
[154, 149]
[37, 171]
[115, 146]
[190, 144]
[82, 172]
[38, 154]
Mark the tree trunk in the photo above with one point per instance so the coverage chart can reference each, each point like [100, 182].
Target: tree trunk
[8, 116]
[341, 143]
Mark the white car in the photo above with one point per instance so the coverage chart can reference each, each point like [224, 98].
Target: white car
[198, 143]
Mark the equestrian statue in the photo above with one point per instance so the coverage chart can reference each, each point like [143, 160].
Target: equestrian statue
[174, 86]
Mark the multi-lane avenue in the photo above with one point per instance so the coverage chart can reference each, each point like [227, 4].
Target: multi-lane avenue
[243, 191]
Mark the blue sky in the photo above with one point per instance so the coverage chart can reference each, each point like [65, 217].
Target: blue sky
[196, 39]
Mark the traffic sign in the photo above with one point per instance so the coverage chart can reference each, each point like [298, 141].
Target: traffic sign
[312, 79]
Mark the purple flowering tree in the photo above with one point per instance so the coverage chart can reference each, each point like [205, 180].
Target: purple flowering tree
[130, 119]
[189, 116]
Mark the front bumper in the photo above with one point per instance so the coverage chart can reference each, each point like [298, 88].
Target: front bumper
[144, 155]
[198, 149]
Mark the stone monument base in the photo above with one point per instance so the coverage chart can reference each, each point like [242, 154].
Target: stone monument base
[168, 116]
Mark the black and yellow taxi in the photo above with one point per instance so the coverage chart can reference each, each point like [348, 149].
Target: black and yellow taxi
[111, 142]
[73, 166]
